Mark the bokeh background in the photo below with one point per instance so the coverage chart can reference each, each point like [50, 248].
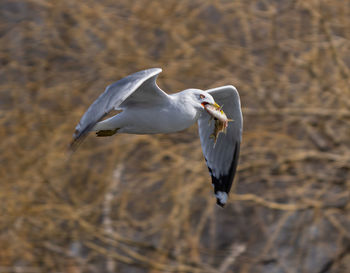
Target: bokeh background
[144, 203]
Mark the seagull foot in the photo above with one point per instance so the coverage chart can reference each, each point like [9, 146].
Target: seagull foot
[105, 133]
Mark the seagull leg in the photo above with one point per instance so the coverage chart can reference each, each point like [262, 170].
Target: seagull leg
[105, 133]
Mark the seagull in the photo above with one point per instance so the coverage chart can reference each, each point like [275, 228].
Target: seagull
[146, 109]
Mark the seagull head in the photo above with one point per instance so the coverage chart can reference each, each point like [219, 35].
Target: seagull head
[197, 100]
[203, 98]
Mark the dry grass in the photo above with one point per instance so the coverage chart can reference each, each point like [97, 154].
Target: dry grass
[133, 203]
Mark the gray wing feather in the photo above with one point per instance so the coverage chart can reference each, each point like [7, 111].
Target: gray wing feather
[117, 94]
[222, 158]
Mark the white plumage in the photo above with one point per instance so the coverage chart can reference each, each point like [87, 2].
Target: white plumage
[146, 109]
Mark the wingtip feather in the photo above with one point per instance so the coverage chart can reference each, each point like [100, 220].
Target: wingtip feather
[221, 198]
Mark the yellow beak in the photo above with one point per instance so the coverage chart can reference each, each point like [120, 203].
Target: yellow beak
[217, 105]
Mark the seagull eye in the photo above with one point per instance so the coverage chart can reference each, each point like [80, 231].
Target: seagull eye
[201, 96]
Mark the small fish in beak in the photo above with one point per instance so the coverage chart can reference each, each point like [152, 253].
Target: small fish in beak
[221, 120]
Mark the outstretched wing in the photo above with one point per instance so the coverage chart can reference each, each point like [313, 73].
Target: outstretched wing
[222, 158]
[138, 87]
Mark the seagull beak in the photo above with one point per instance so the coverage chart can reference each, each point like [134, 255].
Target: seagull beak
[217, 105]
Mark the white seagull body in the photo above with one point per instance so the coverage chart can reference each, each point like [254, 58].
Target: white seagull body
[146, 109]
[168, 114]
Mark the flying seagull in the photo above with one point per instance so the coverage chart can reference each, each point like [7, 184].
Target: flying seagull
[146, 109]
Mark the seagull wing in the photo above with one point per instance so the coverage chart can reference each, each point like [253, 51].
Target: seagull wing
[222, 158]
[135, 88]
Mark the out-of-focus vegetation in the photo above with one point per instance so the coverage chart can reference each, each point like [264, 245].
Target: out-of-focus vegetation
[144, 203]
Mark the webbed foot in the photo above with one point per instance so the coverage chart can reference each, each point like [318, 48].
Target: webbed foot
[105, 133]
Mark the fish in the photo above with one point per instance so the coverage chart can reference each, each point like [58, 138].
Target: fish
[220, 127]
[221, 120]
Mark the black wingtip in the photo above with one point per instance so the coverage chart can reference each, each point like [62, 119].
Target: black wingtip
[221, 198]
[218, 202]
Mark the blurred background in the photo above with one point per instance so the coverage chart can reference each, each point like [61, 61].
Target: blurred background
[133, 203]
